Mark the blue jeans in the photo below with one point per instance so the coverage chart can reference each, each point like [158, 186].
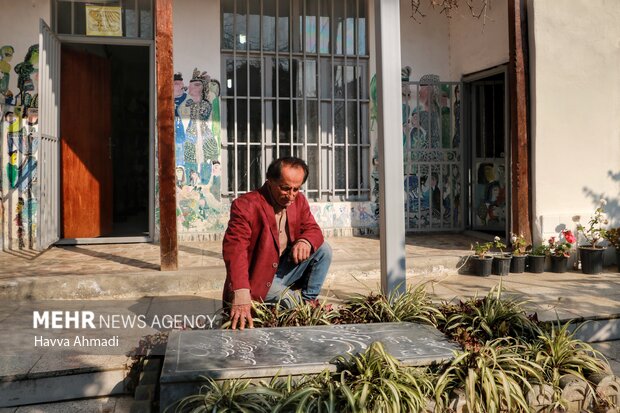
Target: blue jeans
[310, 274]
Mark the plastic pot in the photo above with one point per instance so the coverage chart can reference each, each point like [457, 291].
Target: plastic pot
[501, 264]
[536, 263]
[591, 259]
[482, 266]
[517, 265]
[559, 264]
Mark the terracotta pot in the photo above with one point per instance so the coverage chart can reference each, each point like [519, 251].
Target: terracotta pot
[591, 259]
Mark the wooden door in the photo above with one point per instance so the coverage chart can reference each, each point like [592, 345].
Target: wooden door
[85, 130]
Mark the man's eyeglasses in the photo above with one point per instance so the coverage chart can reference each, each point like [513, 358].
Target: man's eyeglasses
[286, 188]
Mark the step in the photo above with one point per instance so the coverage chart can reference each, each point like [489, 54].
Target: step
[52, 380]
[184, 281]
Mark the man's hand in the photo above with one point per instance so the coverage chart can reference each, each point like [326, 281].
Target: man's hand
[301, 251]
[241, 309]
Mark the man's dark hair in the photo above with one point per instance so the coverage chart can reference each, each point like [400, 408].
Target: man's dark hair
[274, 172]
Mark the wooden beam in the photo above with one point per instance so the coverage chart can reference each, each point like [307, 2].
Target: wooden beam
[165, 132]
[519, 101]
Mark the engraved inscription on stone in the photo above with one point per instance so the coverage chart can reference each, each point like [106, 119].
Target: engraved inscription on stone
[265, 352]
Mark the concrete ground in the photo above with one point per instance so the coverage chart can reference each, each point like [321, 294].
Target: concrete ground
[125, 280]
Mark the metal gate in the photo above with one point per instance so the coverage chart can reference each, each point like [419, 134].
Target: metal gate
[49, 149]
[433, 156]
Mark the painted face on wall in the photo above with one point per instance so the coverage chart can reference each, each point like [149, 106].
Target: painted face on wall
[195, 90]
[179, 88]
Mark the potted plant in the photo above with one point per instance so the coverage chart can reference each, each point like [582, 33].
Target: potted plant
[536, 258]
[518, 243]
[501, 261]
[560, 249]
[591, 254]
[482, 261]
[613, 236]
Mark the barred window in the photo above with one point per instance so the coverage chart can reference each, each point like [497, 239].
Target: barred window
[296, 83]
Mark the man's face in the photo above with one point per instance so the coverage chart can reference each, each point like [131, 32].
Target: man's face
[178, 88]
[285, 191]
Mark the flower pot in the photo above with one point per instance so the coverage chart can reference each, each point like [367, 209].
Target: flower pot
[559, 264]
[536, 263]
[482, 266]
[591, 260]
[501, 264]
[517, 265]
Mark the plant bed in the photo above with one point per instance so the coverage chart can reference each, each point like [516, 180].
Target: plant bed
[508, 359]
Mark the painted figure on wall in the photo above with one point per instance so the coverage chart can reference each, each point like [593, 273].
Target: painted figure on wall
[6, 55]
[28, 79]
[20, 117]
[197, 151]
[490, 195]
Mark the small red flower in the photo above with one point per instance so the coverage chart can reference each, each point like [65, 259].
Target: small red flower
[569, 237]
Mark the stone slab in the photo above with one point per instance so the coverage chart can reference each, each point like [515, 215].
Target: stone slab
[265, 352]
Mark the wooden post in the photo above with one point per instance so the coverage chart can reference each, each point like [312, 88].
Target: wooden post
[519, 101]
[165, 133]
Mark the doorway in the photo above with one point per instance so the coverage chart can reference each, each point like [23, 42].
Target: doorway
[489, 165]
[105, 145]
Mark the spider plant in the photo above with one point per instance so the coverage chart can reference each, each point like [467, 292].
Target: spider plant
[374, 381]
[229, 396]
[414, 305]
[476, 320]
[296, 312]
[495, 377]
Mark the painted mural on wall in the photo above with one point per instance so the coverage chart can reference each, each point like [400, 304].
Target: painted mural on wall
[490, 195]
[197, 152]
[18, 131]
[432, 152]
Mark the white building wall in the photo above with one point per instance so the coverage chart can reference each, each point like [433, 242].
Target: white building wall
[424, 41]
[196, 37]
[575, 94]
[478, 44]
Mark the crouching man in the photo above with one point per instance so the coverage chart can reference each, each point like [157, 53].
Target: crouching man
[272, 242]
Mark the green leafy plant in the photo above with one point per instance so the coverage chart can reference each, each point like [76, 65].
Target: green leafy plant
[518, 244]
[613, 236]
[540, 249]
[563, 245]
[375, 382]
[414, 305]
[229, 396]
[481, 250]
[497, 243]
[477, 320]
[595, 232]
[296, 312]
[495, 377]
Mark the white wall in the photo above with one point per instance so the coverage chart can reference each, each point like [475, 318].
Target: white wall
[477, 44]
[575, 56]
[424, 43]
[196, 37]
